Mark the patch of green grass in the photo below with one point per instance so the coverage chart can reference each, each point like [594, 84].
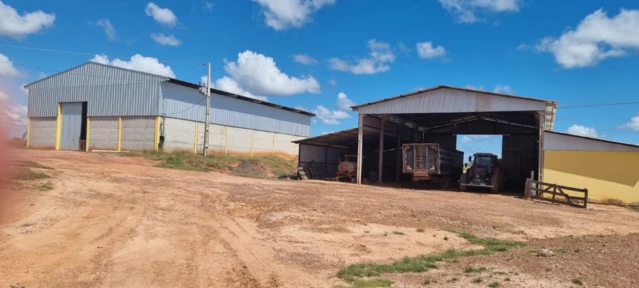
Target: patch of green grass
[499, 273]
[561, 250]
[398, 233]
[471, 269]
[30, 164]
[507, 279]
[373, 282]
[454, 279]
[491, 244]
[427, 282]
[577, 281]
[420, 230]
[424, 263]
[43, 186]
[28, 174]
[129, 154]
[478, 280]
[493, 285]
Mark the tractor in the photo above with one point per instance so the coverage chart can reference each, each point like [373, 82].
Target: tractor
[486, 172]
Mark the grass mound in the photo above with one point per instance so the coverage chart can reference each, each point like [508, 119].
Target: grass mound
[269, 165]
[30, 164]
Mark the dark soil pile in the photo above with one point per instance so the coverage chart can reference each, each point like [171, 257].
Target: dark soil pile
[252, 168]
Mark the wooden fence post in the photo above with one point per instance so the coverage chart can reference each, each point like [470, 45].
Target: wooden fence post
[554, 193]
[586, 198]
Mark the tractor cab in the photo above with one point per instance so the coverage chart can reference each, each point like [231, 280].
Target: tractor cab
[485, 172]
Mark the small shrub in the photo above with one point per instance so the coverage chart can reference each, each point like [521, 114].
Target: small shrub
[420, 230]
[493, 285]
[478, 280]
[44, 186]
[367, 231]
[398, 233]
[577, 281]
[471, 269]
[499, 273]
[507, 279]
[454, 279]
[427, 282]
[413, 215]
[375, 282]
[445, 238]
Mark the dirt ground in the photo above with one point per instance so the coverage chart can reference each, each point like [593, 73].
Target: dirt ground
[115, 221]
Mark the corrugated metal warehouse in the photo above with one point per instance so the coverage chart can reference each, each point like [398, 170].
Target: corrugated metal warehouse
[101, 107]
[439, 114]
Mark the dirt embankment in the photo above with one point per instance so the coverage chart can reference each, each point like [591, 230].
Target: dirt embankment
[119, 221]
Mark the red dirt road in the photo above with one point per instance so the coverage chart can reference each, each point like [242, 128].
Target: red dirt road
[115, 221]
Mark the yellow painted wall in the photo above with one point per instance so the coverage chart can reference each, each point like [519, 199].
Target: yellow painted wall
[608, 175]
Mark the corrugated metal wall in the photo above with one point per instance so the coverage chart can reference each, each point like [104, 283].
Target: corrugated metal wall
[559, 141]
[109, 91]
[187, 103]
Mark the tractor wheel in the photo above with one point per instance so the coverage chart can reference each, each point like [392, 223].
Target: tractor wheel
[495, 181]
[462, 180]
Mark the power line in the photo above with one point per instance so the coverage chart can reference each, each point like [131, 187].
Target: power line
[81, 53]
[600, 105]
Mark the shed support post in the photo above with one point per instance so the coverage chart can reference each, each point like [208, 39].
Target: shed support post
[380, 164]
[542, 122]
[119, 133]
[28, 132]
[398, 150]
[87, 143]
[58, 127]
[360, 147]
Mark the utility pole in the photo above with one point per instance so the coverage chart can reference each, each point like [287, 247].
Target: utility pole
[208, 112]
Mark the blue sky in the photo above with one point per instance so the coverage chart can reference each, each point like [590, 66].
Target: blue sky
[304, 53]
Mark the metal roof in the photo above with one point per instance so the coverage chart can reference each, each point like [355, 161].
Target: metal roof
[571, 146]
[182, 83]
[449, 87]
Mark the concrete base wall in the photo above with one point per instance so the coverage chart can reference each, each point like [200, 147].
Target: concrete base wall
[43, 133]
[180, 135]
[138, 133]
[103, 134]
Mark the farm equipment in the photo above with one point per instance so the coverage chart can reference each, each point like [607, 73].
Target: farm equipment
[486, 172]
[347, 168]
[429, 162]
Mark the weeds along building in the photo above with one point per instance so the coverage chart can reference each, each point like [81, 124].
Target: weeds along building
[101, 107]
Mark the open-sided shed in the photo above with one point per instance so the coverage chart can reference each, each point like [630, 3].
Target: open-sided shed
[438, 115]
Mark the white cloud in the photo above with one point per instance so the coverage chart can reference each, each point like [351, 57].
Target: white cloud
[229, 85]
[108, 28]
[42, 75]
[18, 26]
[332, 81]
[503, 89]
[343, 102]
[283, 14]
[163, 15]
[7, 68]
[139, 63]
[470, 138]
[169, 40]
[24, 90]
[259, 75]
[304, 59]
[471, 11]
[403, 48]
[472, 87]
[330, 117]
[208, 5]
[427, 51]
[583, 131]
[596, 38]
[380, 56]
[3, 96]
[632, 124]
[16, 115]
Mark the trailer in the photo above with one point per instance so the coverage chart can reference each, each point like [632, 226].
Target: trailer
[429, 162]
